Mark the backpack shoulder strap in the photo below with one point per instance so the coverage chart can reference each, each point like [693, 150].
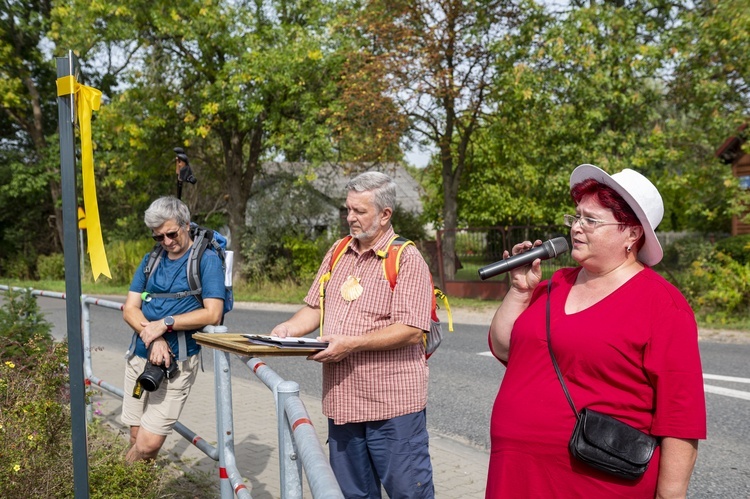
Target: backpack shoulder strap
[338, 251]
[201, 240]
[154, 258]
[392, 258]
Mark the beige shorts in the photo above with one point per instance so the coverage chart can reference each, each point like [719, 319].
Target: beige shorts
[157, 411]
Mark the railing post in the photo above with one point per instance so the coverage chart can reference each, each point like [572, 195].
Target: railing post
[87, 364]
[224, 424]
[290, 466]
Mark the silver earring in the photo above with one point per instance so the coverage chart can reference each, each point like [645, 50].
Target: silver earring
[629, 248]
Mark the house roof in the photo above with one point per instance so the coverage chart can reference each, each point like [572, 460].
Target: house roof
[331, 179]
[732, 147]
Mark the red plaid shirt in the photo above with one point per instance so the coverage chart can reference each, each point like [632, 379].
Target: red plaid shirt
[375, 385]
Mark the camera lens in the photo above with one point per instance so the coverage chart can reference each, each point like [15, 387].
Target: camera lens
[151, 377]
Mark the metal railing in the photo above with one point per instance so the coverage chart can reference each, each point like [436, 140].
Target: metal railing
[299, 447]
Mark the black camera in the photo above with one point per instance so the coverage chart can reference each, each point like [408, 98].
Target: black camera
[153, 375]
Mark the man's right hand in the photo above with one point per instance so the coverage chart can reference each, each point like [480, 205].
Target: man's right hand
[160, 353]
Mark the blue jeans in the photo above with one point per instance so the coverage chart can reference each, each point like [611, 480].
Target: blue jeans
[394, 452]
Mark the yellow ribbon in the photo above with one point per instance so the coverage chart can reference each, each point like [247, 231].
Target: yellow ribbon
[88, 99]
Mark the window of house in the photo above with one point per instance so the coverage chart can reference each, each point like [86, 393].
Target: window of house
[744, 181]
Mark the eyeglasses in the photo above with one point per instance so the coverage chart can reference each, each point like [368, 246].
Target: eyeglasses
[587, 223]
[170, 235]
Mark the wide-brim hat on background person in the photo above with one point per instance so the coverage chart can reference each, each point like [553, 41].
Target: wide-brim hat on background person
[642, 197]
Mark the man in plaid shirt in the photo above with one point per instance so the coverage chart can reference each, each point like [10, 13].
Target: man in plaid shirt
[374, 368]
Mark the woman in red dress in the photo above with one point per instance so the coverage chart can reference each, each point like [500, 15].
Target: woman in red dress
[626, 342]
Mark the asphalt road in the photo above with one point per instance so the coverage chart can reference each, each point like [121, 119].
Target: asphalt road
[464, 381]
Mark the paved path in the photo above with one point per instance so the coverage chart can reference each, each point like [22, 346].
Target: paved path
[460, 470]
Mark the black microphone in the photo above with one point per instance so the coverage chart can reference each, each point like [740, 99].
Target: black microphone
[549, 249]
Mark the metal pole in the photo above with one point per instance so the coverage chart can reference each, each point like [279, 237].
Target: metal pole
[320, 476]
[86, 326]
[290, 468]
[225, 437]
[67, 66]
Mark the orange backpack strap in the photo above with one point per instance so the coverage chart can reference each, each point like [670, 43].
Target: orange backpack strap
[391, 262]
[338, 251]
[392, 258]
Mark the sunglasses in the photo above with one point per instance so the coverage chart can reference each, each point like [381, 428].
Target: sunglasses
[170, 235]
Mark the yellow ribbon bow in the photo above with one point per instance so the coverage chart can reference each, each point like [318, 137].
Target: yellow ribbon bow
[88, 99]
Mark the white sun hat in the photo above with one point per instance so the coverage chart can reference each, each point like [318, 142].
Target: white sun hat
[642, 197]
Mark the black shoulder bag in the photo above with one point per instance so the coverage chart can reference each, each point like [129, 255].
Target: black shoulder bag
[602, 441]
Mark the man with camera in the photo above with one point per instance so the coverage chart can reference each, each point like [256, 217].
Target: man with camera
[163, 357]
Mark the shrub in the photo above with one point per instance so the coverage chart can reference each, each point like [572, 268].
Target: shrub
[124, 257]
[285, 256]
[36, 436]
[36, 432]
[718, 289]
[408, 225]
[35, 424]
[683, 252]
[18, 268]
[35, 427]
[305, 256]
[20, 322]
[738, 247]
[51, 267]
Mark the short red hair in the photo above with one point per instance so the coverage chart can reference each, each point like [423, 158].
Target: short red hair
[610, 199]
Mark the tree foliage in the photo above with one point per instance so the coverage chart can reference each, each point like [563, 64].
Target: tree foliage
[234, 82]
[441, 58]
[601, 86]
[29, 183]
[511, 96]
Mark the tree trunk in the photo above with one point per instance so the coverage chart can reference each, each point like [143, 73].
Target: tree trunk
[450, 217]
[35, 129]
[239, 183]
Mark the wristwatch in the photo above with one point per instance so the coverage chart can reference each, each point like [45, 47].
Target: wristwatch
[169, 322]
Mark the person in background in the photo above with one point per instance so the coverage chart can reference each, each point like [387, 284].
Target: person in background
[374, 368]
[164, 327]
[183, 170]
[626, 342]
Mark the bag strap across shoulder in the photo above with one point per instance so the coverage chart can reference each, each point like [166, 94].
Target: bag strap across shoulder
[552, 354]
